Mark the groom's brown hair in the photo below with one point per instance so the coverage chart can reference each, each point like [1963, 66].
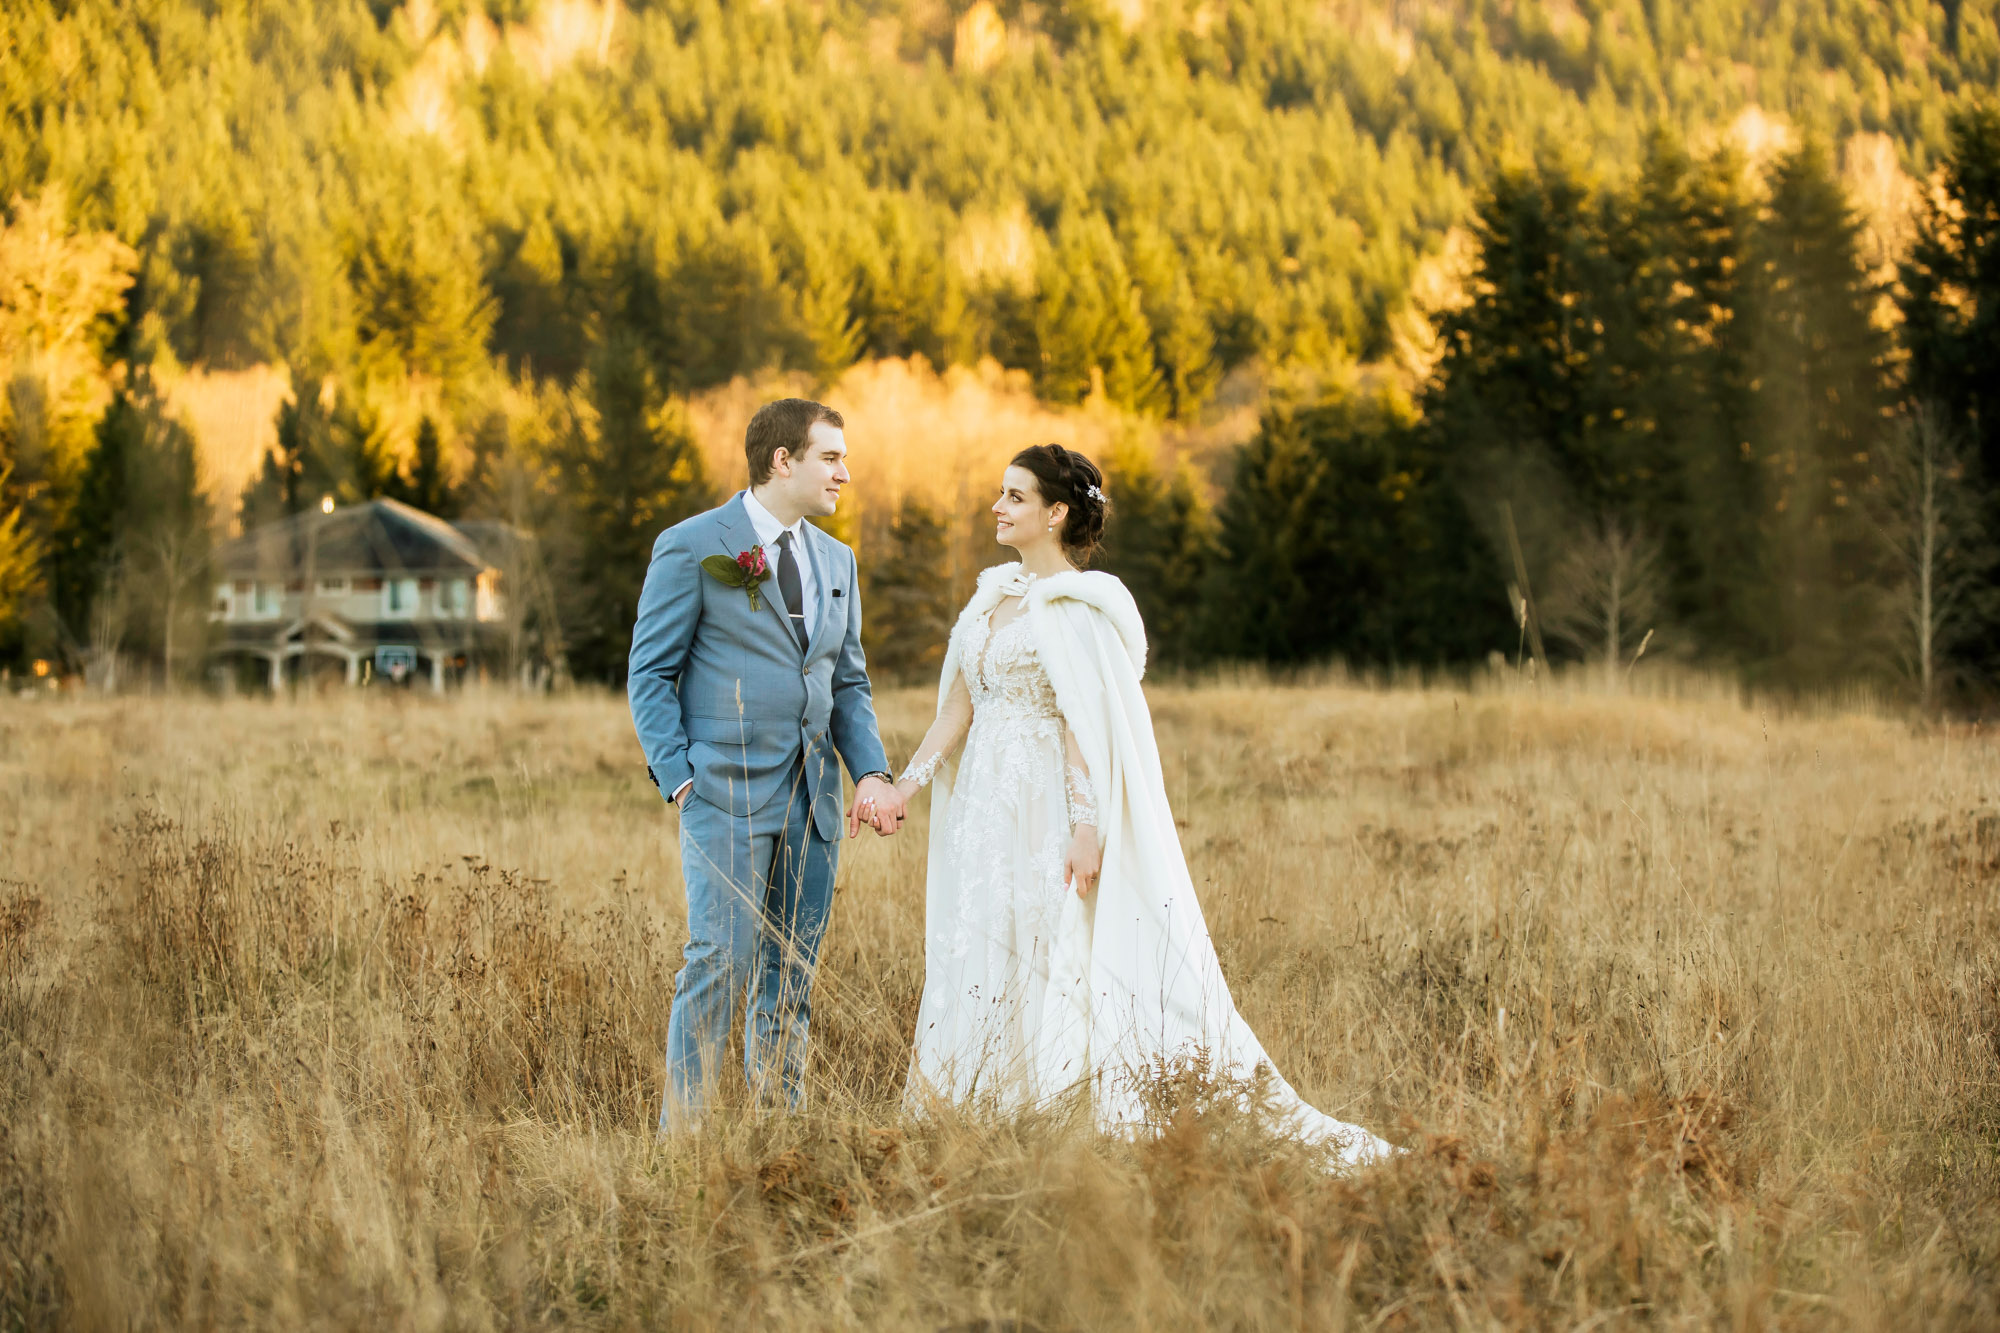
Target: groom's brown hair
[782, 425]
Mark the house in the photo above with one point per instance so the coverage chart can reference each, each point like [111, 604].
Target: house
[380, 591]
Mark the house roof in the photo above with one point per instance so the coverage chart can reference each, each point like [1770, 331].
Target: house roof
[496, 539]
[383, 537]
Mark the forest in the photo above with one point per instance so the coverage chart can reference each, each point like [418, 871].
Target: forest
[1569, 332]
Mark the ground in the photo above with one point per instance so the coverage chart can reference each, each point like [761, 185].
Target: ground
[347, 1012]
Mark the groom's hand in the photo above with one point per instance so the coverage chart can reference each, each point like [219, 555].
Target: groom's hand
[878, 804]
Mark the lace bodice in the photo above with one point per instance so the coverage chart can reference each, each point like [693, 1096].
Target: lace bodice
[1003, 674]
[1015, 719]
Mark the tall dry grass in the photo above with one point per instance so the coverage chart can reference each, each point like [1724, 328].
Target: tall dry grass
[348, 1013]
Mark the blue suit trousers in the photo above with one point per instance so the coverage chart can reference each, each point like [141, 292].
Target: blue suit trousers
[759, 891]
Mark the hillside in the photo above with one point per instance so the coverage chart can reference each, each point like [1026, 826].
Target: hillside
[533, 259]
[1163, 191]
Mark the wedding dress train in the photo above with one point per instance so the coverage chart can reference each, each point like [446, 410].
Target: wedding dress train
[1030, 990]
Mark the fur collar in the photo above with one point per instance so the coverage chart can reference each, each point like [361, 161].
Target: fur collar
[1101, 592]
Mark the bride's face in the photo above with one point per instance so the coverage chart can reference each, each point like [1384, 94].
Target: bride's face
[1022, 520]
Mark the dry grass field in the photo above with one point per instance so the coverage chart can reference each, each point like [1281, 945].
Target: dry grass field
[348, 1012]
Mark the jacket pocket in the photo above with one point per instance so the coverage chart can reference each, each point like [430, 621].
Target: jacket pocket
[720, 730]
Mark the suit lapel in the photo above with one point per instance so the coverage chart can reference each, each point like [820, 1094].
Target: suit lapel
[739, 534]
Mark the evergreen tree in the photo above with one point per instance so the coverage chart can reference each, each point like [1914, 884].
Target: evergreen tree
[625, 467]
[541, 320]
[1183, 341]
[1340, 537]
[909, 606]
[1090, 325]
[1169, 200]
[1950, 302]
[422, 305]
[1819, 363]
[20, 572]
[324, 449]
[1531, 366]
[702, 317]
[1950, 290]
[426, 487]
[1159, 541]
[1694, 395]
[134, 549]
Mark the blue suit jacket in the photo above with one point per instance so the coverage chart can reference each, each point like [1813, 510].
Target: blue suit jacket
[722, 694]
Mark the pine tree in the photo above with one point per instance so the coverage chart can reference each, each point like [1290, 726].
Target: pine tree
[1950, 301]
[625, 466]
[1527, 371]
[1695, 398]
[1090, 325]
[541, 303]
[324, 450]
[20, 565]
[1183, 341]
[1270, 534]
[1340, 536]
[907, 614]
[130, 557]
[427, 487]
[1159, 541]
[1819, 361]
[1950, 290]
[424, 310]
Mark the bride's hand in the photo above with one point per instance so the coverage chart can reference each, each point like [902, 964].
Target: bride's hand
[1085, 859]
[880, 821]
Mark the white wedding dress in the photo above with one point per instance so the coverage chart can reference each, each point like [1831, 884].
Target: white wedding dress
[1029, 990]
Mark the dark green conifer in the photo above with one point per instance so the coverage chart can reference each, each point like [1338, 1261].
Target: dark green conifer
[1159, 541]
[1819, 366]
[625, 467]
[324, 450]
[426, 485]
[908, 607]
[132, 552]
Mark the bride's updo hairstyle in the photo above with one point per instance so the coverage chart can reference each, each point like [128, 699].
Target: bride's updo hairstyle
[1064, 476]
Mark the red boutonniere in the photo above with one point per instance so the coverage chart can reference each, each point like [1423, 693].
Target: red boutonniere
[746, 571]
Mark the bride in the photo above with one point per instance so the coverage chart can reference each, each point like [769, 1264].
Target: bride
[1063, 944]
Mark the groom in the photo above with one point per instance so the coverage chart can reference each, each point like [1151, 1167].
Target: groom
[748, 691]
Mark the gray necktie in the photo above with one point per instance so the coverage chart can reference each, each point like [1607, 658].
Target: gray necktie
[789, 587]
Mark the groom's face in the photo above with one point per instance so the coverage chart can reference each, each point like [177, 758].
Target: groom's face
[813, 480]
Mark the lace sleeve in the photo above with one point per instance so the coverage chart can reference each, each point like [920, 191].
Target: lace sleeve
[922, 773]
[947, 732]
[1076, 791]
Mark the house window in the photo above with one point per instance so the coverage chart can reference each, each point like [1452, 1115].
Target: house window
[267, 601]
[225, 602]
[399, 597]
[333, 587]
[454, 599]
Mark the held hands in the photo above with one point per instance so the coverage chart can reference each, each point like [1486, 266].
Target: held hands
[1083, 861]
[878, 805]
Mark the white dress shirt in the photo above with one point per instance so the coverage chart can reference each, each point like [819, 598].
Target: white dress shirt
[768, 527]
